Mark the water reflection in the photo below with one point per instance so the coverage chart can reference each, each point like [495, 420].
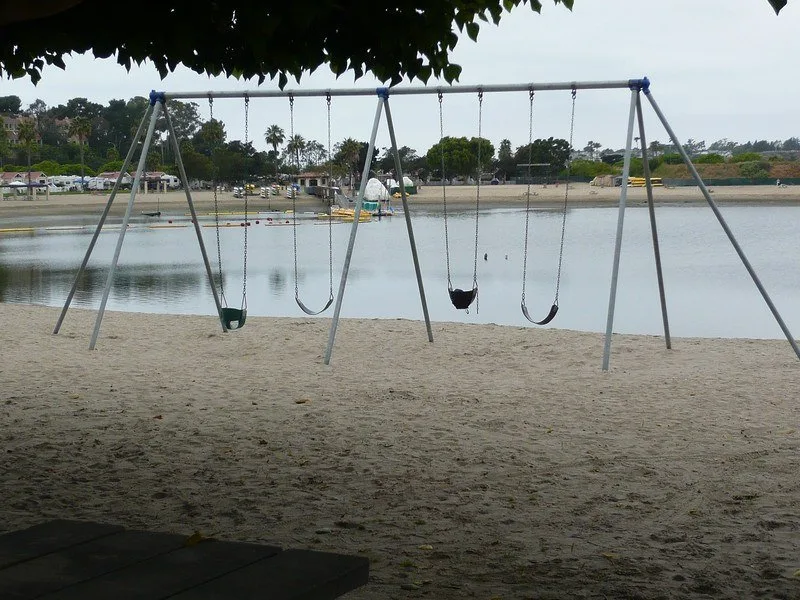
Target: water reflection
[709, 293]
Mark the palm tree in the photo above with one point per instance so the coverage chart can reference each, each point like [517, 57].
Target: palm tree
[348, 152]
[295, 147]
[26, 135]
[275, 136]
[80, 127]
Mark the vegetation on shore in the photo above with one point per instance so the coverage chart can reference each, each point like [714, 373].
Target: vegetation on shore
[87, 138]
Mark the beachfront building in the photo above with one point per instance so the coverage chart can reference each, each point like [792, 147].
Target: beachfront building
[311, 179]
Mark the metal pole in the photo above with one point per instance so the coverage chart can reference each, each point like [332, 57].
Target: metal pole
[412, 90]
[195, 222]
[722, 222]
[139, 169]
[652, 210]
[407, 214]
[103, 217]
[353, 229]
[623, 198]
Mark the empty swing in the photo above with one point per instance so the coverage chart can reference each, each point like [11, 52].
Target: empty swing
[232, 318]
[297, 299]
[461, 299]
[554, 308]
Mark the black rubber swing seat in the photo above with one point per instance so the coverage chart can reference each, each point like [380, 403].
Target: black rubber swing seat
[234, 315]
[308, 311]
[462, 299]
[550, 316]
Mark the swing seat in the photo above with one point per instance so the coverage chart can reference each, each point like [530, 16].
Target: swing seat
[462, 299]
[550, 316]
[234, 315]
[310, 312]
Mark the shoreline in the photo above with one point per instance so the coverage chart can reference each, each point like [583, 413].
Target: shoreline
[581, 195]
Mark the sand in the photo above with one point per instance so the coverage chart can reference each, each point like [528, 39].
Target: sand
[14, 209]
[497, 462]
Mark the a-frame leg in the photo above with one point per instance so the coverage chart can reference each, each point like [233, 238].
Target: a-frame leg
[623, 198]
[717, 213]
[195, 222]
[103, 217]
[407, 214]
[653, 229]
[351, 243]
[148, 138]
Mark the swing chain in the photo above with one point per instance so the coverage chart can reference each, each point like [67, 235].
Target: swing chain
[444, 192]
[330, 201]
[528, 194]
[478, 190]
[216, 202]
[244, 187]
[292, 194]
[566, 195]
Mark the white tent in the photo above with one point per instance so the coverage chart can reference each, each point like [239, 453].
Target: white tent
[375, 191]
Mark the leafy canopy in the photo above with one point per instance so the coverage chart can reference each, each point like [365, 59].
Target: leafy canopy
[251, 38]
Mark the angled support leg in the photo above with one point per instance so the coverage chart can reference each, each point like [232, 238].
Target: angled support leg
[623, 198]
[353, 230]
[103, 217]
[136, 181]
[724, 224]
[195, 222]
[407, 214]
[654, 230]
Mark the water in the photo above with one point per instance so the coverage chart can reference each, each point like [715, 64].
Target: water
[709, 292]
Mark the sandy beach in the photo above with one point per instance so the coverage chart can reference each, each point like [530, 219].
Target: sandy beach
[428, 198]
[497, 462]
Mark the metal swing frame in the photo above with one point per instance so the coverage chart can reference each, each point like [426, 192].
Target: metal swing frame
[637, 87]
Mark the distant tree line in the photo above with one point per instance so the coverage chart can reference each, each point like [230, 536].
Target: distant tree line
[86, 137]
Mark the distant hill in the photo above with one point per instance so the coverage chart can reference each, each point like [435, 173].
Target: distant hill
[777, 170]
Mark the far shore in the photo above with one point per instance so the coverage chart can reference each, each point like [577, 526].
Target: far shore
[174, 203]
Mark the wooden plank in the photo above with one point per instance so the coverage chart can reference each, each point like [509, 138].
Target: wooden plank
[25, 544]
[291, 575]
[169, 573]
[70, 566]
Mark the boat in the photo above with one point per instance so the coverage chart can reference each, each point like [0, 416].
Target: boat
[369, 205]
[642, 182]
[346, 214]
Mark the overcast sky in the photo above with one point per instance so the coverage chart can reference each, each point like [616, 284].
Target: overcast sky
[719, 69]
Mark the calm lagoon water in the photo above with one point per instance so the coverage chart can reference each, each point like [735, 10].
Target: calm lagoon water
[709, 293]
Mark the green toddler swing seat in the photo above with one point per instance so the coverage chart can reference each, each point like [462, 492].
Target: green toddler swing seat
[234, 315]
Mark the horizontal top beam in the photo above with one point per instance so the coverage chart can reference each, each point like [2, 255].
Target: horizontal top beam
[641, 84]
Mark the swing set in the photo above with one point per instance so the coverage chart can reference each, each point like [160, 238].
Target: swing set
[461, 299]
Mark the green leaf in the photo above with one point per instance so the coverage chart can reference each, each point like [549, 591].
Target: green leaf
[472, 31]
[451, 73]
